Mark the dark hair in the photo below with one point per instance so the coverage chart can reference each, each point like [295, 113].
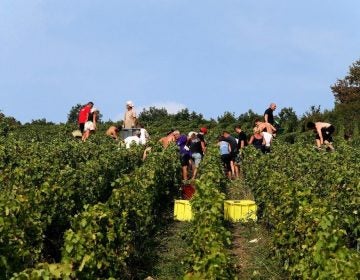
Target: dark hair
[91, 103]
[226, 132]
[310, 125]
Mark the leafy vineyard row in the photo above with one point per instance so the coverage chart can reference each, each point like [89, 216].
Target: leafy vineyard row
[209, 257]
[43, 185]
[59, 193]
[89, 211]
[109, 240]
[310, 201]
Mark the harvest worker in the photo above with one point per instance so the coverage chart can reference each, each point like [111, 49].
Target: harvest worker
[268, 114]
[90, 125]
[323, 132]
[166, 140]
[234, 151]
[225, 150]
[197, 146]
[113, 132]
[269, 117]
[242, 142]
[130, 140]
[84, 115]
[257, 139]
[144, 135]
[185, 153]
[200, 135]
[130, 115]
[242, 138]
[264, 126]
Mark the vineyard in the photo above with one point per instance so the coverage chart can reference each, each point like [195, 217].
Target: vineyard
[310, 201]
[73, 210]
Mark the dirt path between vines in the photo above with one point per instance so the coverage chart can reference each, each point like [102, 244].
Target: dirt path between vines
[250, 249]
[251, 243]
[171, 252]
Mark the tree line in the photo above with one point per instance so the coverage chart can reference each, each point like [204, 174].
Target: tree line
[345, 115]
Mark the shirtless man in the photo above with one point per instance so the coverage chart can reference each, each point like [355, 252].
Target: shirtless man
[264, 126]
[323, 132]
[166, 140]
[113, 132]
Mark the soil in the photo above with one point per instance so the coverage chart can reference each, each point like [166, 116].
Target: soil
[251, 244]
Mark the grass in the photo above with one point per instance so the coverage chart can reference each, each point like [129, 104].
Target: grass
[251, 250]
[251, 244]
[171, 252]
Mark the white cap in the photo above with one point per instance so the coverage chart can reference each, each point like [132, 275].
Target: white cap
[191, 133]
[129, 103]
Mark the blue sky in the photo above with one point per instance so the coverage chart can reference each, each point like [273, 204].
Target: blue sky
[209, 56]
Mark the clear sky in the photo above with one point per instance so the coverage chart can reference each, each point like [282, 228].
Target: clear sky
[210, 56]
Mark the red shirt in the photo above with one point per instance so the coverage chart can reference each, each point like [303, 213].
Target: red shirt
[84, 114]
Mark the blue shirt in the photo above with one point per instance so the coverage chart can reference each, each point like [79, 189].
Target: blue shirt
[224, 148]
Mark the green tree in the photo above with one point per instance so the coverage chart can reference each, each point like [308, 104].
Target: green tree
[288, 119]
[226, 120]
[247, 120]
[347, 99]
[182, 115]
[347, 90]
[153, 114]
[197, 118]
[314, 113]
[41, 121]
[73, 114]
[7, 124]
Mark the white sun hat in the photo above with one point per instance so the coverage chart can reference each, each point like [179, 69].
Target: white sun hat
[129, 103]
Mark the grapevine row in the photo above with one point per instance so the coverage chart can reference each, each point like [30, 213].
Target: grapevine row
[108, 239]
[310, 201]
[43, 185]
[209, 258]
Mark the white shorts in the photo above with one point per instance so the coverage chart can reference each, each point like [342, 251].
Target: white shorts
[268, 138]
[89, 126]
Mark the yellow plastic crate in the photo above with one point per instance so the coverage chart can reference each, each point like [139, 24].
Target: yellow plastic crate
[182, 210]
[239, 210]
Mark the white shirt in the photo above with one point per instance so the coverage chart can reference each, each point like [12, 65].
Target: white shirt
[144, 136]
[131, 140]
